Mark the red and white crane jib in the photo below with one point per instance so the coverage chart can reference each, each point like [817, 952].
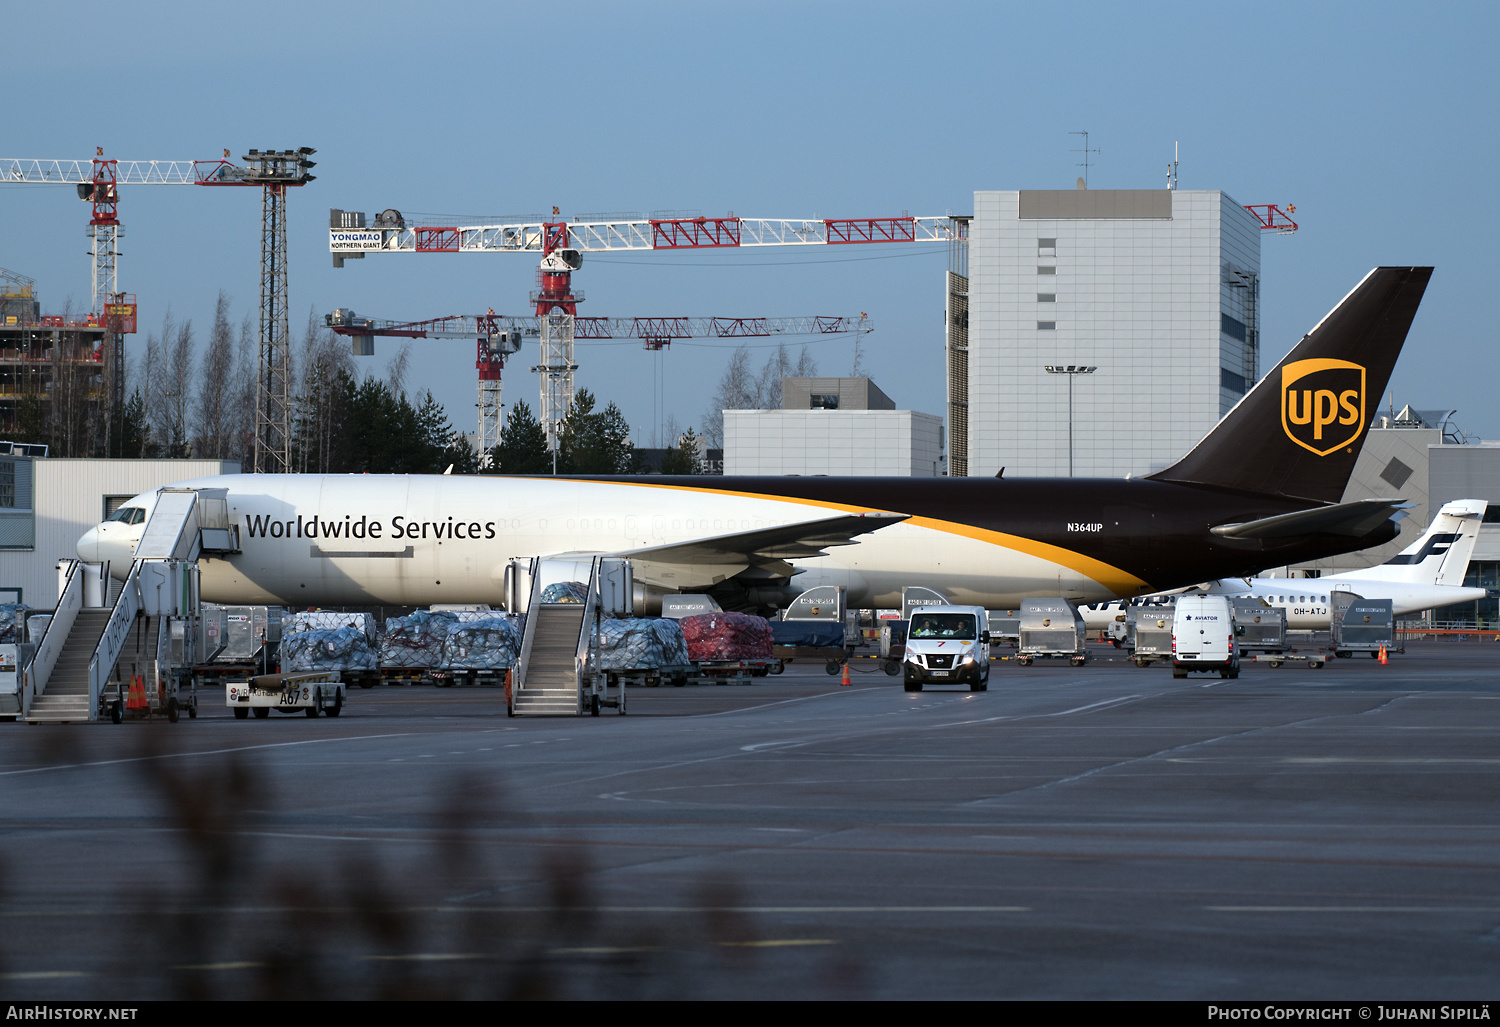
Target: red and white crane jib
[498, 326]
[508, 330]
[637, 234]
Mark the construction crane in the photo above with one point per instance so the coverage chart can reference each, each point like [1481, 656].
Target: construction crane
[1273, 218]
[499, 336]
[562, 244]
[98, 182]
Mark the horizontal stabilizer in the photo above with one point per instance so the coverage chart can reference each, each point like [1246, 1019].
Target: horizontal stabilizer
[707, 561]
[1355, 519]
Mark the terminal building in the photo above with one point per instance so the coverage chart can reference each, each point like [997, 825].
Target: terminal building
[47, 504]
[1420, 456]
[844, 426]
[1102, 331]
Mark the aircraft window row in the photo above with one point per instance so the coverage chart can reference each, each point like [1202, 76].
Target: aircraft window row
[128, 515]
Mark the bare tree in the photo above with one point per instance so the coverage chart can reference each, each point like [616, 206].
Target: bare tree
[670, 431]
[177, 378]
[739, 389]
[326, 363]
[245, 362]
[858, 368]
[807, 366]
[217, 400]
[396, 372]
[778, 366]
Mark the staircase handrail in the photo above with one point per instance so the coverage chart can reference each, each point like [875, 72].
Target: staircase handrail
[69, 602]
[112, 642]
[586, 629]
[528, 632]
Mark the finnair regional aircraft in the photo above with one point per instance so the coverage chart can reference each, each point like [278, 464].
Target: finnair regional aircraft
[1261, 489]
[1426, 574]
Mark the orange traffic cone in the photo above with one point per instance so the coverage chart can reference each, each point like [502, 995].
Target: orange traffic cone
[135, 698]
[844, 681]
[1382, 654]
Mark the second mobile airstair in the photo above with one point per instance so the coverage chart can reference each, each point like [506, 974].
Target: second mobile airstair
[557, 672]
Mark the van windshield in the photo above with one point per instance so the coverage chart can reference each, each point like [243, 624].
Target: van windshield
[958, 626]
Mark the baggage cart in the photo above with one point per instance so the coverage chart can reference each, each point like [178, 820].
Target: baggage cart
[1149, 632]
[1259, 626]
[1362, 626]
[1052, 628]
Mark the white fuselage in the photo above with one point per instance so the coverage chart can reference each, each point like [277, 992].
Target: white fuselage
[415, 540]
[1306, 600]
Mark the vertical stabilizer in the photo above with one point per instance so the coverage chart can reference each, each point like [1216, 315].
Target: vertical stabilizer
[1441, 555]
[1299, 431]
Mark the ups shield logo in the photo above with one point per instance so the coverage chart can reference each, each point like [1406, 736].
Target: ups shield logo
[1323, 403]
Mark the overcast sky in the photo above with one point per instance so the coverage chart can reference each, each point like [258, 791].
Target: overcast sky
[1376, 120]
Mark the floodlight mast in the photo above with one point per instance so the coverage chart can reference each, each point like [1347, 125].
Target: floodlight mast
[1072, 371]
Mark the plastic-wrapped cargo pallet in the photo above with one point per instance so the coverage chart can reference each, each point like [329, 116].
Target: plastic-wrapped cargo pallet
[327, 649]
[13, 622]
[648, 643]
[565, 592]
[329, 620]
[727, 636]
[490, 644]
[417, 640]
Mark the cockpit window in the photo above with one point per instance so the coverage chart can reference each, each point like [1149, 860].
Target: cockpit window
[128, 515]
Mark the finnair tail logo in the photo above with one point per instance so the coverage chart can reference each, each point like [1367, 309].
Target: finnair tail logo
[1434, 546]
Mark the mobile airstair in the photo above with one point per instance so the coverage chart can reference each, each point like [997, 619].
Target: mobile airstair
[557, 672]
[73, 675]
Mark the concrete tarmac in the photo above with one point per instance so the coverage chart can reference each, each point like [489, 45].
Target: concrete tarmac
[1094, 832]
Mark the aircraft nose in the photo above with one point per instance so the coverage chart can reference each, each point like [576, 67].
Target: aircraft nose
[88, 547]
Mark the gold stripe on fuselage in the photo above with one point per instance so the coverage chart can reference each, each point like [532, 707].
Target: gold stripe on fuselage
[1120, 582]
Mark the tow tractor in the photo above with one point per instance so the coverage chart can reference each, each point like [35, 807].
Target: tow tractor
[312, 693]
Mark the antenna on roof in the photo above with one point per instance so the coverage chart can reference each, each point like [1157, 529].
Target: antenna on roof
[1172, 169]
[1084, 164]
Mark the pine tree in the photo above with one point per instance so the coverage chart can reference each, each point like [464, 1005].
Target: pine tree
[133, 428]
[683, 459]
[595, 443]
[523, 447]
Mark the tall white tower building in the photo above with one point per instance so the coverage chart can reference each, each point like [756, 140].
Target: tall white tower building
[1156, 290]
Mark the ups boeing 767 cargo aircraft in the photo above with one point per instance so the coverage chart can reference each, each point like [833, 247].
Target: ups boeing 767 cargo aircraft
[1261, 489]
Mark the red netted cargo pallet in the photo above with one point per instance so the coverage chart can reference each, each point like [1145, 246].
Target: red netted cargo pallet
[726, 636]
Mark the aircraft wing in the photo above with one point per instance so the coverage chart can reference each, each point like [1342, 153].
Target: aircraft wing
[707, 561]
[1356, 519]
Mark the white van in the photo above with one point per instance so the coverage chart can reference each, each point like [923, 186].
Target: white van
[948, 645]
[1203, 637]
